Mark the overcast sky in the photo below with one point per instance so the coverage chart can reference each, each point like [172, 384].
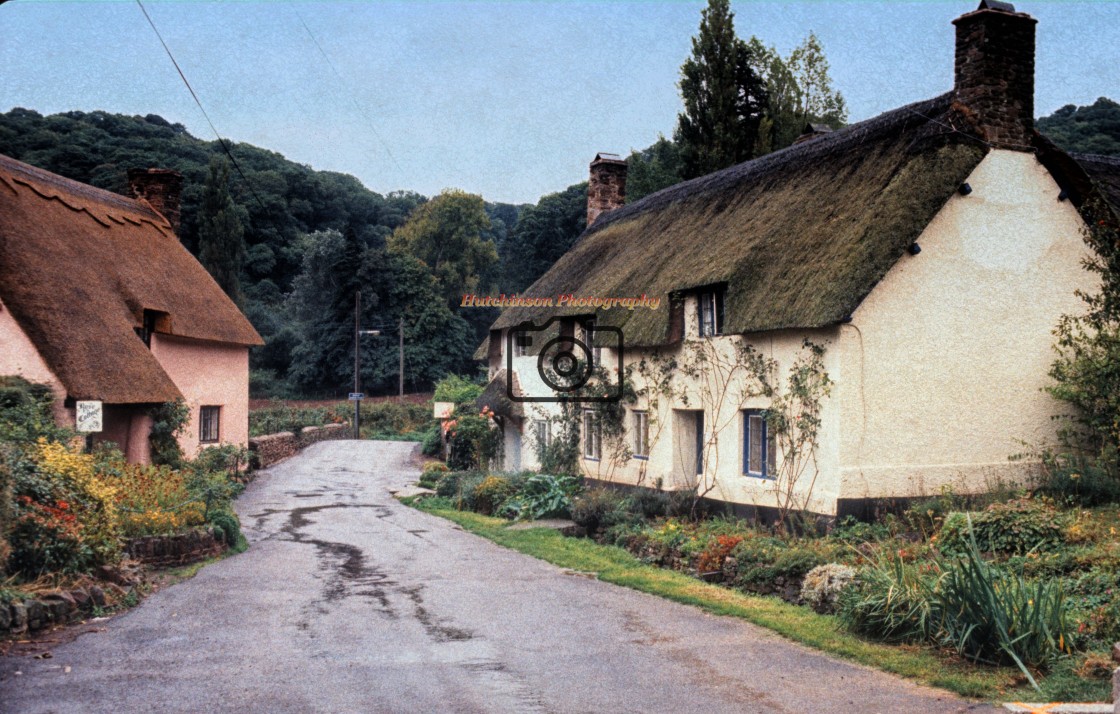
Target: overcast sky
[508, 99]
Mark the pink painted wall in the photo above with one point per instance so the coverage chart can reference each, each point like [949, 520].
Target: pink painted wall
[128, 427]
[208, 374]
[18, 356]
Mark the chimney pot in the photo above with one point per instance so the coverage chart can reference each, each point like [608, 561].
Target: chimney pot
[606, 188]
[161, 188]
[994, 71]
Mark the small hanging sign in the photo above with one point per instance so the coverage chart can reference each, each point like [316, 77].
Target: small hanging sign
[89, 417]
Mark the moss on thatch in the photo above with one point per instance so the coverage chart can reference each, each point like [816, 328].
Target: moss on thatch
[78, 268]
[800, 236]
[1105, 174]
[496, 396]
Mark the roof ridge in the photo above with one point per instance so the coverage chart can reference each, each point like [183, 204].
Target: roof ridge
[16, 168]
[842, 138]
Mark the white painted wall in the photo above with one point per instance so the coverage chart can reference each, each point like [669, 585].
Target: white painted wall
[945, 363]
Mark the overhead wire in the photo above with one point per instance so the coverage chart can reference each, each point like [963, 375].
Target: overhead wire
[221, 142]
[349, 95]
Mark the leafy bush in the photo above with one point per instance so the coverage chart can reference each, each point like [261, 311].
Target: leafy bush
[65, 515]
[543, 496]
[490, 493]
[474, 443]
[850, 529]
[432, 473]
[598, 509]
[715, 551]
[395, 418]
[992, 616]
[823, 585]
[1095, 601]
[153, 500]
[1014, 527]
[227, 523]
[1079, 480]
[768, 565]
[279, 417]
[430, 442]
[460, 391]
[649, 503]
[168, 422]
[891, 600]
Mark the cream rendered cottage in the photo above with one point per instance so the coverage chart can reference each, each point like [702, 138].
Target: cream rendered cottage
[930, 251]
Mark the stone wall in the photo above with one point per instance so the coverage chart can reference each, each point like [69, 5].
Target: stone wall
[178, 549]
[264, 451]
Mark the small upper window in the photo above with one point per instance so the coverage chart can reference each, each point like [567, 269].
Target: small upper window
[544, 433]
[587, 337]
[209, 424]
[711, 314]
[521, 343]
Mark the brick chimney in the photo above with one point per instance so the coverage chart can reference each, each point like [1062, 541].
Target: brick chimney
[995, 72]
[606, 189]
[161, 189]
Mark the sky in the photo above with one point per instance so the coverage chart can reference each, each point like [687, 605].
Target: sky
[508, 99]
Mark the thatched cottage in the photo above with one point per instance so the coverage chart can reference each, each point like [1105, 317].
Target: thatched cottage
[100, 300]
[930, 251]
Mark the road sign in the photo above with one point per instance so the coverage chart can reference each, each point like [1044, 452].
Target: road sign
[88, 416]
[356, 396]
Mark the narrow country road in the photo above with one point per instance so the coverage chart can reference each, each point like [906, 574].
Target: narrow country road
[348, 601]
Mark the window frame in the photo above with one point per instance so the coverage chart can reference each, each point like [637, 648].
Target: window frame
[592, 436]
[710, 321]
[768, 456]
[587, 337]
[210, 423]
[641, 435]
[538, 424]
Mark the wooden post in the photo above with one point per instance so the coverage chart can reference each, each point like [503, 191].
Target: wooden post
[357, 363]
[401, 367]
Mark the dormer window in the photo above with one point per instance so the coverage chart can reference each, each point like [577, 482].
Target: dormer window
[151, 321]
[587, 337]
[710, 313]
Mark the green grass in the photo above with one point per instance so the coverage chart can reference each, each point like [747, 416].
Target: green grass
[823, 632]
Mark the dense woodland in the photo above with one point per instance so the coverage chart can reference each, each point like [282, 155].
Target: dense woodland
[292, 245]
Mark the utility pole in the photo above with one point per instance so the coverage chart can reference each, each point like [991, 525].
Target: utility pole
[401, 392]
[357, 363]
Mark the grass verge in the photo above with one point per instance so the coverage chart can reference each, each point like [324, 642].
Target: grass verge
[822, 632]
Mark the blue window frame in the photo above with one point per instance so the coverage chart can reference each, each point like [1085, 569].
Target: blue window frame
[760, 453]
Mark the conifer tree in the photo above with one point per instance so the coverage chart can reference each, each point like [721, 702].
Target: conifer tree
[221, 236]
[723, 96]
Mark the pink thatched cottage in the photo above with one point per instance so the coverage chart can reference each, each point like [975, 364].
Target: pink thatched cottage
[100, 300]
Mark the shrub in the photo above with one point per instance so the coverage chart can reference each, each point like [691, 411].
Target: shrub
[168, 421]
[490, 494]
[1079, 480]
[823, 585]
[153, 500]
[395, 418]
[649, 503]
[850, 529]
[543, 496]
[230, 527]
[992, 616]
[432, 473]
[770, 565]
[715, 551]
[599, 509]
[430, 442]
[891, 600]
[1015, 527]
[279, 417]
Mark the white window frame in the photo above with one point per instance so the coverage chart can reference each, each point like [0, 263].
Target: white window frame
[707, 306]
[641, 435]
[592, 436]
[543, 431]
[587, 337]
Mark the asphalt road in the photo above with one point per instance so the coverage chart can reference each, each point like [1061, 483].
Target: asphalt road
[348, 601]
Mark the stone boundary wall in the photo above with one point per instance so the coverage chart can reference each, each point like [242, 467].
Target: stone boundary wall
[57, 608]
[177, 549]
[264, 451]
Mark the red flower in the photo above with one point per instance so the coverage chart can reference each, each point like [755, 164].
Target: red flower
[63, 505]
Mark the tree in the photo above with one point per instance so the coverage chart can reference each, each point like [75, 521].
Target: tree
[656, 167]
[1087, 371]
[450, 235]
[543, 233]
[221, 237]
[781, 122]
[819, 102]
[723, 96]
[1094, 129]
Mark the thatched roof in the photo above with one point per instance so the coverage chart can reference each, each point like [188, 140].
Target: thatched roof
[799, 237]
[1105, 174]
[496, 396]
[78, 267]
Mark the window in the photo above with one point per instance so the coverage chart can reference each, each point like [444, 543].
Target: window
[592, 436]
[544, 433]
[760, 453]
[711, 314]
[521, 343]
[209, 424]
[641, 435]
[587, 337]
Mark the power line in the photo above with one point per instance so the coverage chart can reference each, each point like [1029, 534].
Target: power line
[350, 96]
[221, 141]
